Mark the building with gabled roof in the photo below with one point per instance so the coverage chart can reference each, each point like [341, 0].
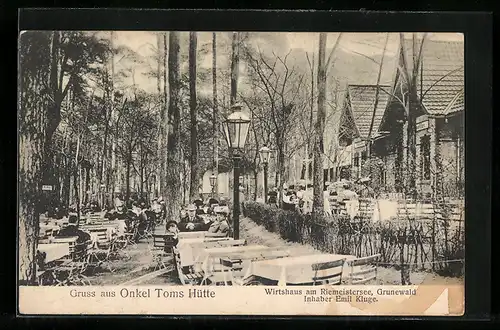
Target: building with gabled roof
[361, 116]
[439, 120]
[377, 138]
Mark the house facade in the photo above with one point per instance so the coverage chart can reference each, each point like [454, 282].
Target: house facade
[362, 113]
[439, 131]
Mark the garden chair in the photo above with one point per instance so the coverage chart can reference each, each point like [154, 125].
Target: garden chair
[222, 275]
[362, 270]
[161, 249]
[100, 256]
[69, 272]
[333, 270]
[144, 231]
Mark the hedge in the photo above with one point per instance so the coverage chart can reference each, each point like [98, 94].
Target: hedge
[416, 244]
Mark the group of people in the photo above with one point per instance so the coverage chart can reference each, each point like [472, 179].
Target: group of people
[300, 198]
[211, 216]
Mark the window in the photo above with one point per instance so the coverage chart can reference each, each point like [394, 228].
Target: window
[425, 156]
[331, 174]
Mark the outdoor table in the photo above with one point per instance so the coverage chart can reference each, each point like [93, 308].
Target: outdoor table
[245, 259]
[45, 227]
[207, 255]
[69, 239]
[190, 248]
[199, 234]
[293, 270]
[54, 251]
[193, 234]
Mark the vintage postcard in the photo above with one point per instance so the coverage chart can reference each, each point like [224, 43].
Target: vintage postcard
[241, 173]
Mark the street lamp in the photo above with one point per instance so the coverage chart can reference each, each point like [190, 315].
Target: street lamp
[213, 180]
[236, 129]
[265, 154]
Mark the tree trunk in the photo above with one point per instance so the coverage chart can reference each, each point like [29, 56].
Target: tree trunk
[159, 76]
[235, 60]
[173, 198]
[215, 130]
[127, 178]
[412, 144]
[256, 185]
[31, 145]
[318, 207]
[113, 175]
[33, 106]
[164, 124]
[194, 164]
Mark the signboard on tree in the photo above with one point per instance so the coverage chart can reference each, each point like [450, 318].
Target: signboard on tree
[47, 187]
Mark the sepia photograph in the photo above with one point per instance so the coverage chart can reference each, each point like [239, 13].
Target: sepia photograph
[184, 164]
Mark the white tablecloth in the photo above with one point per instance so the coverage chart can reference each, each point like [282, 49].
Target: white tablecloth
[193, 234]
[294, 269]
[190, 248]
[206, 257]
[54, 251]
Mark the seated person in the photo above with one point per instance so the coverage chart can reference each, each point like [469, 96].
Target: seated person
[191, 222]
[212, 201]
[119, 213]
[59, 213]
[287, 203]
[198, 203]
[172, 228]
[72, 230]
[220, 224]
[94, 206]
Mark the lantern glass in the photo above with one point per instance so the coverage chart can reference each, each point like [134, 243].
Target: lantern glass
[213, 179]
[236, 128]
[264, 154]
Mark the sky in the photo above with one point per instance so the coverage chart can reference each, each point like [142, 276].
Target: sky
[368, 44]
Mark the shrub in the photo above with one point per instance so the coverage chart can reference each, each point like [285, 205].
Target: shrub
[412, 243]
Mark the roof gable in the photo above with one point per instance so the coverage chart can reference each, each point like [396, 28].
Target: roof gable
[362, 101]
[441, 76]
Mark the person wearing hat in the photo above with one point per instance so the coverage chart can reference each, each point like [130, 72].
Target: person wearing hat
[173, 228]
[220, 224]
[192, 221]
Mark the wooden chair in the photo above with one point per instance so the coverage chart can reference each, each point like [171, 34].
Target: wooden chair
[99, 255]
[333, 269]
[162, 249]
[223, 275]
[47, 234]
[363, 270]
[102, 237]
[94, 218]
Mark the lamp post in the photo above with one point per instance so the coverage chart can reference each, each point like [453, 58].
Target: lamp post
[264, 154]
[236, 129]
[213, 180]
